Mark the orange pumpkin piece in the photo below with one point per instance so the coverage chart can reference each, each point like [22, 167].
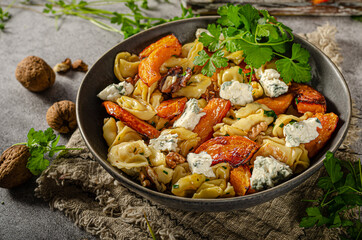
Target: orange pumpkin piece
[171, 108]
[307, 99]
[215, 110]
[240, 179]
[168, 41]
[279, 104]
[329, 123]
[234, 150]
[130, 120]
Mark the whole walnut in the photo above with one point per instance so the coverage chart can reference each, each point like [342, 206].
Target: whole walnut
[61, 116]
[34, 74]
[13, 171]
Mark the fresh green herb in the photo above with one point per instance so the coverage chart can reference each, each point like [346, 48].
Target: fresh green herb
[296, 101]
[175, 186]
[130, 23]
[270, 113]
[340, 204]
[224, 167]
[40, 143]
[206, 180]
[148, 160]
[149, 227]
[357, 18]
[142, 153]
[226, 135]
[281, 125]
[165, 172]
[210, 63]
[261, 38]
[5, 15]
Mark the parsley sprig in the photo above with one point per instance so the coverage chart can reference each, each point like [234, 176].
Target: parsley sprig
[261, 38]
[5, 15]
[340, 204]
[130, 23]
[40, 143]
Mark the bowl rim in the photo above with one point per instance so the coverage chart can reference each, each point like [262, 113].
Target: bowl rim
[298, 179]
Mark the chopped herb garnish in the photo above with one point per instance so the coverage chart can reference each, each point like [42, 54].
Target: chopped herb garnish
[270, 113]
[175, 186]
[206, 180]
[296, 101]
[224, 167]
[165, 172]
[292, 122]
[281, 125]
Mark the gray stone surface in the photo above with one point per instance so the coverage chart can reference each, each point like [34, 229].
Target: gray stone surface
[22, 216]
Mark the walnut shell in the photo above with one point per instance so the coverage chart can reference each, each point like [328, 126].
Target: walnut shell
[34, 74]
[13, 171]
[61, 116]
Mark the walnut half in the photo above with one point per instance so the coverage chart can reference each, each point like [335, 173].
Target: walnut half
[61, 116]
[173, 159]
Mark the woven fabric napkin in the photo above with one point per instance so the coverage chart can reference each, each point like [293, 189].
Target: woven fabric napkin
[78, 186]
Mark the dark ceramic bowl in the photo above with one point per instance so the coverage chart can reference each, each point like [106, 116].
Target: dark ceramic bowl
[326, 79]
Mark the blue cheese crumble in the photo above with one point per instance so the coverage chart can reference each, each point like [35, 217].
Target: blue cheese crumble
[191, 115]
[268, 172]
[237, 93]
[200, 163]
[114, 91]
[301, 132]
[165, 142]
[271, 83]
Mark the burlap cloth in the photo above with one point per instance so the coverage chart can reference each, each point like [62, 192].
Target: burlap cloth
[78, 186]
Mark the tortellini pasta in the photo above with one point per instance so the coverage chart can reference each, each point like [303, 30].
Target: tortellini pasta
[126, 65]
[156, 99]
[230, 74]
[187, 62]
[258, 91]
[125, 134]
[295, 157]
[188, 140]
[142, 91]
[116, 132]
[196, 86]
[187, 186]
[139, 108]
[235, 57]
[211, 189]
[164, 174]
[222, 170]
[180, 171]
[129, 155]
[284, 119]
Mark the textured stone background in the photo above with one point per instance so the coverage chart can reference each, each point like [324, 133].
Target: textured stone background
[22, 216]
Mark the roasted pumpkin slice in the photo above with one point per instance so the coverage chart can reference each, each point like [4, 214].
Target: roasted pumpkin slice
[234, 150]
[171, 108]
[130, 120]
[279, 104]
[240, 179]
[215, 110]
[329, 123]
[307, 99]
[168, 41]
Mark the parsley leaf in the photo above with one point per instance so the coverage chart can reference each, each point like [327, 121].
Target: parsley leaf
[40, 143]
[256, 55]
[295, 68]
[342, 195]
[212, 42]
[210, 63]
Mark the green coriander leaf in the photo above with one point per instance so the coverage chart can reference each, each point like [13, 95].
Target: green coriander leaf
[37, 163]
[202, 58]
[280, 48]
[289, 70]
[325, 183]
[270, 113]
[300, 54]
[333, 167]
[251, 17]
[209, 69]
[218, 59]
[314, 217]
[256, 55]
[229, 15]
[211, 42]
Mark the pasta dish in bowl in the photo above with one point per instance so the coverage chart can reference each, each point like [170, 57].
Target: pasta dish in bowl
[202, 128]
